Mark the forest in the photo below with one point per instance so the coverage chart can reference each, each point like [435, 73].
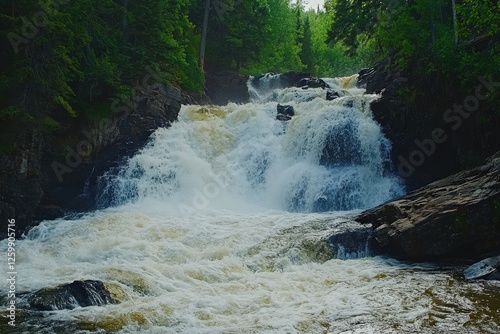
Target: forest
[62, 60]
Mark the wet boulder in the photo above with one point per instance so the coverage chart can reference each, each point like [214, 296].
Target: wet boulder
[227, 86]
[455, 218]
[72, 295]
[351, 241]
[364, 76]
[290, 79]
[332, 95]
[486, 269]
[313, 83]
[284, 112]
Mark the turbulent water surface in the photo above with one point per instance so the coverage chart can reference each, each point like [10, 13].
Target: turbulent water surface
[216, 226]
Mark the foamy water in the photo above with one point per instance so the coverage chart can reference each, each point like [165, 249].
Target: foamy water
[219, 225]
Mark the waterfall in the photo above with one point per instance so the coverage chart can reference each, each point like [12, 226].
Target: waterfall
[231, 221]
[331, 156]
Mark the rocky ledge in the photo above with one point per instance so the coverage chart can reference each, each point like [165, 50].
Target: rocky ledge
[454, 218]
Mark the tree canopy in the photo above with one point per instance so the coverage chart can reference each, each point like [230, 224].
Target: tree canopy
[427, 36]
[60, 59]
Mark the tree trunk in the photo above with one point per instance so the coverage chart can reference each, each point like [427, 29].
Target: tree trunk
[431, 18]
[125, 22]
[455, 23]
[203, 43]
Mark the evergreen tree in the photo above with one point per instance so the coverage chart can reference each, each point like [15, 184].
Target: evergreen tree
[306, 54]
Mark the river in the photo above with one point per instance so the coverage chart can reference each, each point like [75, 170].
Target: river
[219, 225]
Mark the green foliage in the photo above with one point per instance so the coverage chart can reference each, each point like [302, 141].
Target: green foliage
[306, 54]
[479, 20]
[12, 112]
[422, 34]
[290, 40]
[330, 59]
[49, 124]
[479, 17]
[57, 60]
[353, 19]
[237, 35]
[280, 50]
[158, 36]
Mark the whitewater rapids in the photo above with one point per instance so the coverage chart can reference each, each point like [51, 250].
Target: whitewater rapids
[217, 226]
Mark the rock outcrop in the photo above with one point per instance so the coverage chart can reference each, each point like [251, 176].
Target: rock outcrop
[42, 179]
[454, 218]
[73, 180]
[21, 180]
[227, 86]
[412, 107]
[284, 113]
[72, 295]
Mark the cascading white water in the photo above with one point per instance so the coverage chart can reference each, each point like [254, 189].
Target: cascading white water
[329, 157]
[218, 226]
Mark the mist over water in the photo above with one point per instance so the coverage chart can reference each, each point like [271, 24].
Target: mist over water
[219, 225]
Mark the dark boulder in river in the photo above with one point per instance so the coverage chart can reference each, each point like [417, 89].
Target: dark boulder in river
[454, 218]
[313, 83]
[332, 95]
[284, 113]
[72, 295]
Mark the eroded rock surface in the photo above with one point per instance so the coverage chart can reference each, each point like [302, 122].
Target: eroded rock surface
[457, 217]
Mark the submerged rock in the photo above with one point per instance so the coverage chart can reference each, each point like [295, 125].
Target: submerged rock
[318, 240]
[72, 295]
[457, 217]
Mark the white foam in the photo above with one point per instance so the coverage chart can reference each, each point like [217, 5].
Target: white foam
[202, 239]
[240, 155]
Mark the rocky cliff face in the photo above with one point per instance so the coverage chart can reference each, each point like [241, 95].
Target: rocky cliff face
[38, 185]
[457, 217]
[436, 127]
[72, 180]
[21, 181]
[227, 86]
